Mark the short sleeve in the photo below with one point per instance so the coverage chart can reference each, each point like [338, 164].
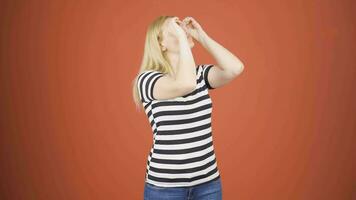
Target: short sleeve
[206, 68]
[146, 82]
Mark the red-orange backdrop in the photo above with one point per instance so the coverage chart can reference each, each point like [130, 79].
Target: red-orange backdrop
[284, 129]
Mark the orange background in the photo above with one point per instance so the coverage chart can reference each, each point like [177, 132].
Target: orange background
[284, 129]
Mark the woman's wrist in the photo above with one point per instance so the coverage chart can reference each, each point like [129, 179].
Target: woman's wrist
[203, 37]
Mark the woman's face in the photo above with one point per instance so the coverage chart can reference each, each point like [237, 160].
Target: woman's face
[171, 42]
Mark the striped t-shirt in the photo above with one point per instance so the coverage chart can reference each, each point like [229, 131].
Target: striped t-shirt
[182, 153]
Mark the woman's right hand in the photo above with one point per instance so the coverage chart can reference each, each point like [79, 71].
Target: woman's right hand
[175, 29]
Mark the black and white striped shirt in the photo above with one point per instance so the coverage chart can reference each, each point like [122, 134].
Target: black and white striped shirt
[182, 153]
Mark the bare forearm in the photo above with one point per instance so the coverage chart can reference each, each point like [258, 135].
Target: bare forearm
[224, 58]
[186, 64]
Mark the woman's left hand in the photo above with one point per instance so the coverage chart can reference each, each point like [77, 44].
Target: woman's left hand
[193, 28]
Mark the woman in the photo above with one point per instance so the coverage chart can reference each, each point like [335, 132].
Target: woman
[173, 91]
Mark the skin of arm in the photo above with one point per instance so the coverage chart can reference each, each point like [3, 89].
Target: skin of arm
[184, 82]
[228, 65]
[186, 66]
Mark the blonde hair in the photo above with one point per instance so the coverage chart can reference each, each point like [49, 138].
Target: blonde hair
[153, 57]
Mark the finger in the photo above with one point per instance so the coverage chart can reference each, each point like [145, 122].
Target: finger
[186, 20]
[174, 20]
[194, 22]
[185, 28]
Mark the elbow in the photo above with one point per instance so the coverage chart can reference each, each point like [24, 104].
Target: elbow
[238, 70]
[242, 67]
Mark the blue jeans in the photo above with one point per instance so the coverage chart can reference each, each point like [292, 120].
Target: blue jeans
[207, 191]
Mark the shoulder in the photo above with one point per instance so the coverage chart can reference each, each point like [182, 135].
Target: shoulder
[145, 83]
[204, 73]
[206, 67]
[148, 73]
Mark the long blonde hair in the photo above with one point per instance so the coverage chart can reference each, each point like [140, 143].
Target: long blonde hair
[153, 57]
